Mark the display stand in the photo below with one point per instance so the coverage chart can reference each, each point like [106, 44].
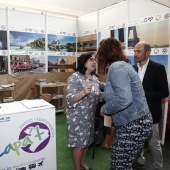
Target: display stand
[28, 135]
[57, 91]
[4, 95]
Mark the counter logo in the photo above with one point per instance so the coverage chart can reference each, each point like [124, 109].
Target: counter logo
[36, 136]
[33, 138]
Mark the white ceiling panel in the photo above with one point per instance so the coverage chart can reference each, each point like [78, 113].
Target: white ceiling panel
[163, 2]
[82, 5]
[73, 8]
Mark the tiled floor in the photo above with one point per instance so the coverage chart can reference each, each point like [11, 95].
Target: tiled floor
[166, 156]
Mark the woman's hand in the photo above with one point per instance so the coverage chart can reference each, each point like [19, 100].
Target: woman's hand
[87, 89]
[83, 93]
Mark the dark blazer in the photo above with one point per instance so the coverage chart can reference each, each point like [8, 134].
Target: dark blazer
[155, 85]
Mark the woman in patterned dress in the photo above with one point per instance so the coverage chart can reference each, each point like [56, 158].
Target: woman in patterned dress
[82, 98]
[126, 103]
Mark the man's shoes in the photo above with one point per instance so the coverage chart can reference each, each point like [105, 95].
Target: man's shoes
[137, 166]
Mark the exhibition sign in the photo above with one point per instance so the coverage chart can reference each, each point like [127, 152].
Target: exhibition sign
[28, 137]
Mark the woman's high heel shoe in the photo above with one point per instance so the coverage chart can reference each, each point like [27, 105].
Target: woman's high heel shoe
[87, 169]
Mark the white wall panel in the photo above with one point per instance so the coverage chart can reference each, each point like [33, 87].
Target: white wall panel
[55, 24]
[87, 22]
[142, 8]
[24, 19]
[3, 17]
[113, 15]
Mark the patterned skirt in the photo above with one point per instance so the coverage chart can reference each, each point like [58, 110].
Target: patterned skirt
[129, 140]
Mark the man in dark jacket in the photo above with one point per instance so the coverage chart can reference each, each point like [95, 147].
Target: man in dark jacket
[154, 79]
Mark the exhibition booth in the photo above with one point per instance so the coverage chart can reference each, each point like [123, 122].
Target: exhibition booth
[41, 46]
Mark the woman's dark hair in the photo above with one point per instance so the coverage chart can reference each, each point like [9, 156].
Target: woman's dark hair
[109, 51]
[82, 61]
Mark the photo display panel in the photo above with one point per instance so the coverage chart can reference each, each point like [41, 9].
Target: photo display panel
[61, 44]
[27, 42]
[3, 43]
[155, 30]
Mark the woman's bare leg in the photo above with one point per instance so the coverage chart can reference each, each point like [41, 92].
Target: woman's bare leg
[83, 160]
[77, 157]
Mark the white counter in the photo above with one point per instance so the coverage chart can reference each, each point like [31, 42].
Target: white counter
[28, 135]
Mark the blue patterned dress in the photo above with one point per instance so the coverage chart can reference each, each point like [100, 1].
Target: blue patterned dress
[80, 116]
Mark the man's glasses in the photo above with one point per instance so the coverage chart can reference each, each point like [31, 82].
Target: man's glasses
[93, 59]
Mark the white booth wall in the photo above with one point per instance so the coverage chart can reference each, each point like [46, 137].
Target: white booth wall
[121, 15]
[19, 24]
[3, 17]
[87, 28]
[87, 22]
[143, 8]
[25, 24]
[131, 13]
[113, 17]
[3, 24]
[61, 29]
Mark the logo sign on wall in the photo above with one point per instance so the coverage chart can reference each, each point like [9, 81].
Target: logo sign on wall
[87, 32]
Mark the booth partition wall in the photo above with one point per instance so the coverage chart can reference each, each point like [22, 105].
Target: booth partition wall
[52, 43]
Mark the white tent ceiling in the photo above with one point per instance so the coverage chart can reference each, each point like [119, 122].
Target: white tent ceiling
[75, 8]
[163, 2]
